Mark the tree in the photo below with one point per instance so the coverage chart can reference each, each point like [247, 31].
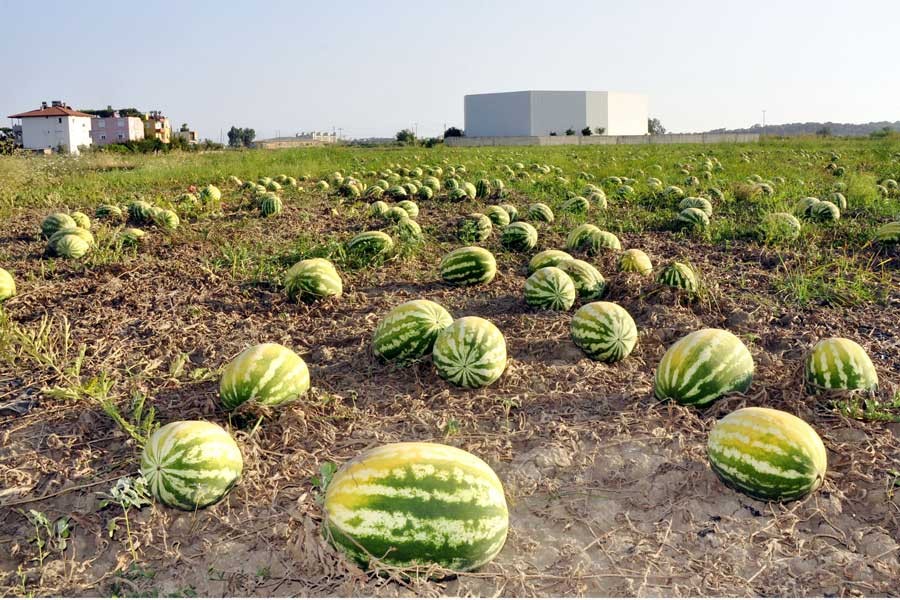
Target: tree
[601, 130]
[586, 131]
[405, 136]
[552, 133]
[654, 127]
[247, 137]
[453, 132]
[239, 137]
[824, 132]
[570, 131]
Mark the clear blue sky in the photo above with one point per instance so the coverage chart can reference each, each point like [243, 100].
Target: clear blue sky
[372, 68]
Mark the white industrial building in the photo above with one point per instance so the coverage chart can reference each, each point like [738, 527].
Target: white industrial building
[54, 127]
[540, 113]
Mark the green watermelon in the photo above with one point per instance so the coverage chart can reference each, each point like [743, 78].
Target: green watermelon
[679, 275]
[370, 244]
[109, 211]
[71, 242]
[379, 209]
[266, 374]
[411, 208]
[839, 200]
[469, 188]
[594, 240]
[140, 211]
[470, 353]
[396, 214]
[825, 211]
[313, 278]
[408, 331]
[589, 283]
[519, 237]
[81, 220]
[550, 288]
[512, 211]
[55, 222]
[780, 226]
[7, 285]
[692, 218]
[417, 505]
[576, 205]
[131, 236]
[397, 192]
[498, 189]
[482, 188]
[635, 261]
[604, 331]
[469, 265]
[191, 464]
[889, 233]
[475, 227]
[540, 212]
[408, 230]
[767, 454]
[374, 192]
[805, 205]
[270, 205]
[497, 215]
[547, 258]
[210, 194]
[839, 364]
[702, 367]
[694, 202]
[425, 193]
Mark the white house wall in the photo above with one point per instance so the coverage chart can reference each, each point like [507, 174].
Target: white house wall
[52, 132]
[505, 114]
[597, 109]
[627, 114]
[557, 111]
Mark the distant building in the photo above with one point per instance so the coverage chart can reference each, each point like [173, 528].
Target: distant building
[540, 113]
[157, 126]
[186, 134]
[116, 130]
[54, 127]
[306, 138]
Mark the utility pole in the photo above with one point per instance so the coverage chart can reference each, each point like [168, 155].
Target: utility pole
[764, 121]
[340, 133]
[416, 129]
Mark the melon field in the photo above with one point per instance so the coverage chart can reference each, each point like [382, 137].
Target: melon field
[217, 372]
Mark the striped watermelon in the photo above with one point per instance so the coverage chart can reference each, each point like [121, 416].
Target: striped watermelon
[475, 227]
[600, 240]
[166, 219]
[780, 226]
[470, 353]
[270, 205]
[825, 211]
[673, 192]
[498, 189]
[512, 211]
[576, 205]
[139, 211]
[598, 199]
[408, 331]
[889, 233]
[692, 218]
[81, 220]
[679, 275]
[411, 208]
[695, 202]
[397, 192]
[482, 188]
[469, 265]
[497, 215]
[604, 331]
[425, 193]
[519, 237]
[408, 230]
[396, 214]
[374, 192]
[767, 454]
[469, 188]
[379, 209]
[69, 244]
[370, 244]
[635, 261]
[805, 205]
[540, 212]
[210, 194]
[7, 285]
[702, 367]
[579, 237]
[839, 200]
[131, 236]
[589, 283]
[265, 374]
[191, 464]
[839, 364]
[547, 258]
[313, 278]
[109, 211]
[417, 504]
[55, 222]
[550, 288]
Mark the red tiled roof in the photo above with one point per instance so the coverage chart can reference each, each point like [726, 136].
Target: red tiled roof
[51, 111]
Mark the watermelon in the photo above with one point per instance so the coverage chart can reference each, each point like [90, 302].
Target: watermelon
[379, 209]
[692, 218]
[889, 233]
[693, 202]
[635, 261]
[679, 275]
[374, 192]
[673, 192]
[417, 505]
[139, 211]
[540, 212]
[109, 211]
[519, 237]
[702, 367]
[805, 205]
[457, 195]
[210, 194]
[469, 265]
[576, 205]
[270, 205]
[589, 283]
[71, 242]
[839, 200]
[322, 186]
[425, 193]
[598, 199]
[497, 188]
[780, 226]
[433, 183]
[550, 288]
[839, 364]
[397, 192]
[370, 244]
[578, 238]
[7, 285]
[131, 236]
[598, 240]
[55, 222]
[266, 374]
[274, 186]
[165, 218]
[604, 331]
[547, 258]
[408, 230]
[81, 220]
[470, 353]
[497, 215]
[482, 188]
[469, 188]
[624, 192]
[475, 227]
[512, 211]
[825, 211]
[408, 331]
[312, 278]
[767, 454]
[191, 464]
[411, 208]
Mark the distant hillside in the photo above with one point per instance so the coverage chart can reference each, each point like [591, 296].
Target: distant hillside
[841, 129]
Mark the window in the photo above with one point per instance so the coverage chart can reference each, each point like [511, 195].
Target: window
[121, 136]
[101, 124]
[102, 136]
[59, 120]
[120, 122]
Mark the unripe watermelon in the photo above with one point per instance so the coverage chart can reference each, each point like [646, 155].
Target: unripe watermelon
[470, 353]
[519, 237]
[589, 283]
[604, 331]
[191, 464]
[475, 227]
[702, 367]
[679, 275]
[540, 212]
[550, 288]
[635, 261]
[888, 234]
[408, 331]
[266, 374]
[692, 218]
[55, 222]
[767, 454]
[469, 265]
[417, 505]
[369, 244]
[313, 278]
[839, 364]
[547, 258]
[7, 285]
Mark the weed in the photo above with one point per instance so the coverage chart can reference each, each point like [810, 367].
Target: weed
[127, 493]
